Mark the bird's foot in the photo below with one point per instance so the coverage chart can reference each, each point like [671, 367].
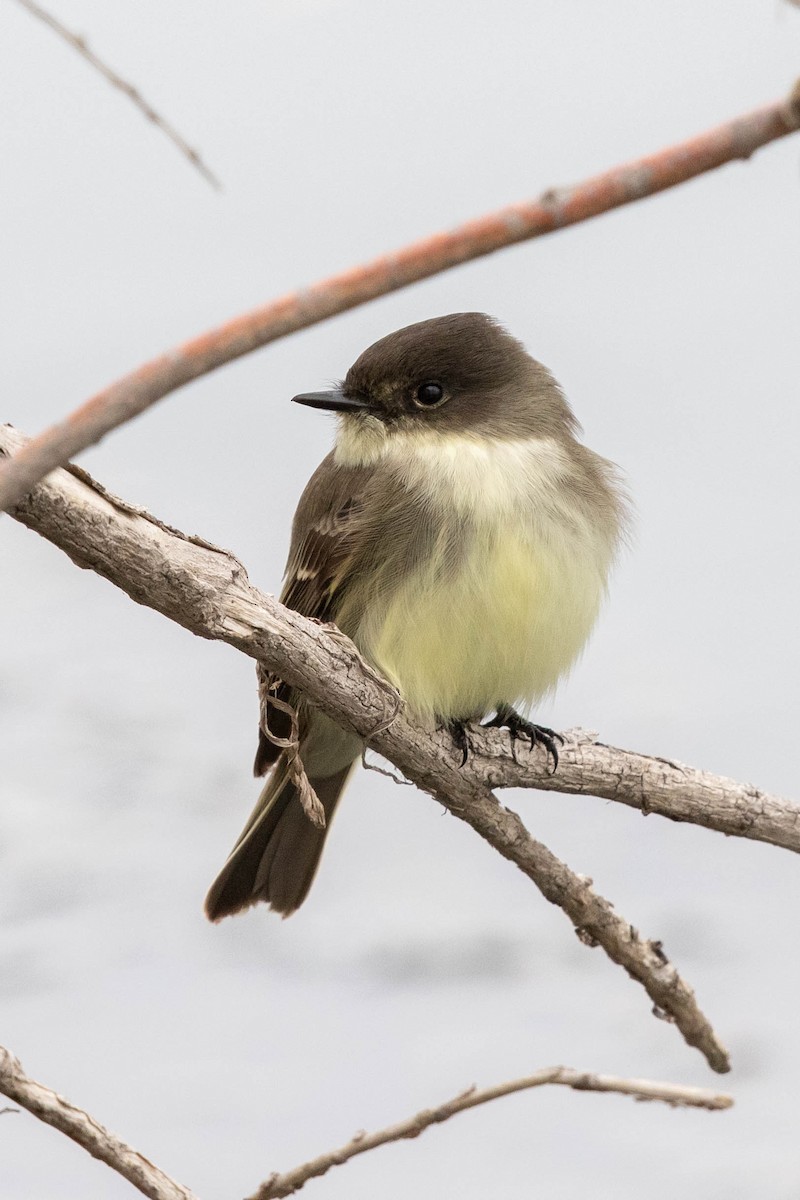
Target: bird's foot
[518, 727]
[459, 731]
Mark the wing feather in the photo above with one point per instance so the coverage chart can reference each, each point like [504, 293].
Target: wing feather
[323, 551]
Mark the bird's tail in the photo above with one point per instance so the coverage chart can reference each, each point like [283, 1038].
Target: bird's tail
[278, 852]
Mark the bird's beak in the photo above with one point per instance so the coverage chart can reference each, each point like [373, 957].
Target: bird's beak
[334, 401]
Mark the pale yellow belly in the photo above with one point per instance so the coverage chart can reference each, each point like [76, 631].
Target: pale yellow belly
[500, 630]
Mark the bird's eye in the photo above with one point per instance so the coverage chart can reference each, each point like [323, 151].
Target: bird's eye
[429, 394]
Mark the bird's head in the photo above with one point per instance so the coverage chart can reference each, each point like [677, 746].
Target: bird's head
[461, 373]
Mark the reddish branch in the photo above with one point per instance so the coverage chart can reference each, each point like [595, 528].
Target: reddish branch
[554, 210]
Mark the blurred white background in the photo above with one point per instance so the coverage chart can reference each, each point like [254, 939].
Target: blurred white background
[422, 961]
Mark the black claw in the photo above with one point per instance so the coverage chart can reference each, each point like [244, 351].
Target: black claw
[517, 726]
[458, 731]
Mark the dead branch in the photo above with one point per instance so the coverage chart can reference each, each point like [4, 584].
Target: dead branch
[278, 1186]
[554, 209]
[80, 44]
[206, 590]
[653, 785]
[53, 1109]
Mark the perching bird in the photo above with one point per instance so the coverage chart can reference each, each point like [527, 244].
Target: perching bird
[461, 535]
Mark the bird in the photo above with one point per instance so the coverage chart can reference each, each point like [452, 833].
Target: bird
[462, 536]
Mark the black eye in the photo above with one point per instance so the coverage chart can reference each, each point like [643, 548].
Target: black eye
[429, 394]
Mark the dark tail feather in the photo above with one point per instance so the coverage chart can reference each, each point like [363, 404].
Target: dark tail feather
[277, 855]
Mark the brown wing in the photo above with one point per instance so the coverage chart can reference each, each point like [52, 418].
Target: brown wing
[322, 552]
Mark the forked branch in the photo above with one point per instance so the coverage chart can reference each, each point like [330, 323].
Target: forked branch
[206, 590]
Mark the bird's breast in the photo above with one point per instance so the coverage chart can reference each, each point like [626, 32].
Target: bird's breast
[503, 597]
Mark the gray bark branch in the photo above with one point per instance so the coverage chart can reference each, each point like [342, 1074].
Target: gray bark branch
[55, 1110]
[151, 1181]
[206, 590]
[663, 786]
[676, 1096]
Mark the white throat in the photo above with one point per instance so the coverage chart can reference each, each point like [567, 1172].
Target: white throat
[479, 477]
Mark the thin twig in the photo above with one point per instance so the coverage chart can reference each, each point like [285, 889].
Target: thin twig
[48, 1106]
[554, 210]
[206, 590]
[80, 44]
[281, 1185]
[77, 1124]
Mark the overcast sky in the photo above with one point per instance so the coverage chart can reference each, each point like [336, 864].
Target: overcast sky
[422, 961]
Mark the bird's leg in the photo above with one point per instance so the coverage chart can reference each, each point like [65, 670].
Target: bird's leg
[459, 731]
[517, 726]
